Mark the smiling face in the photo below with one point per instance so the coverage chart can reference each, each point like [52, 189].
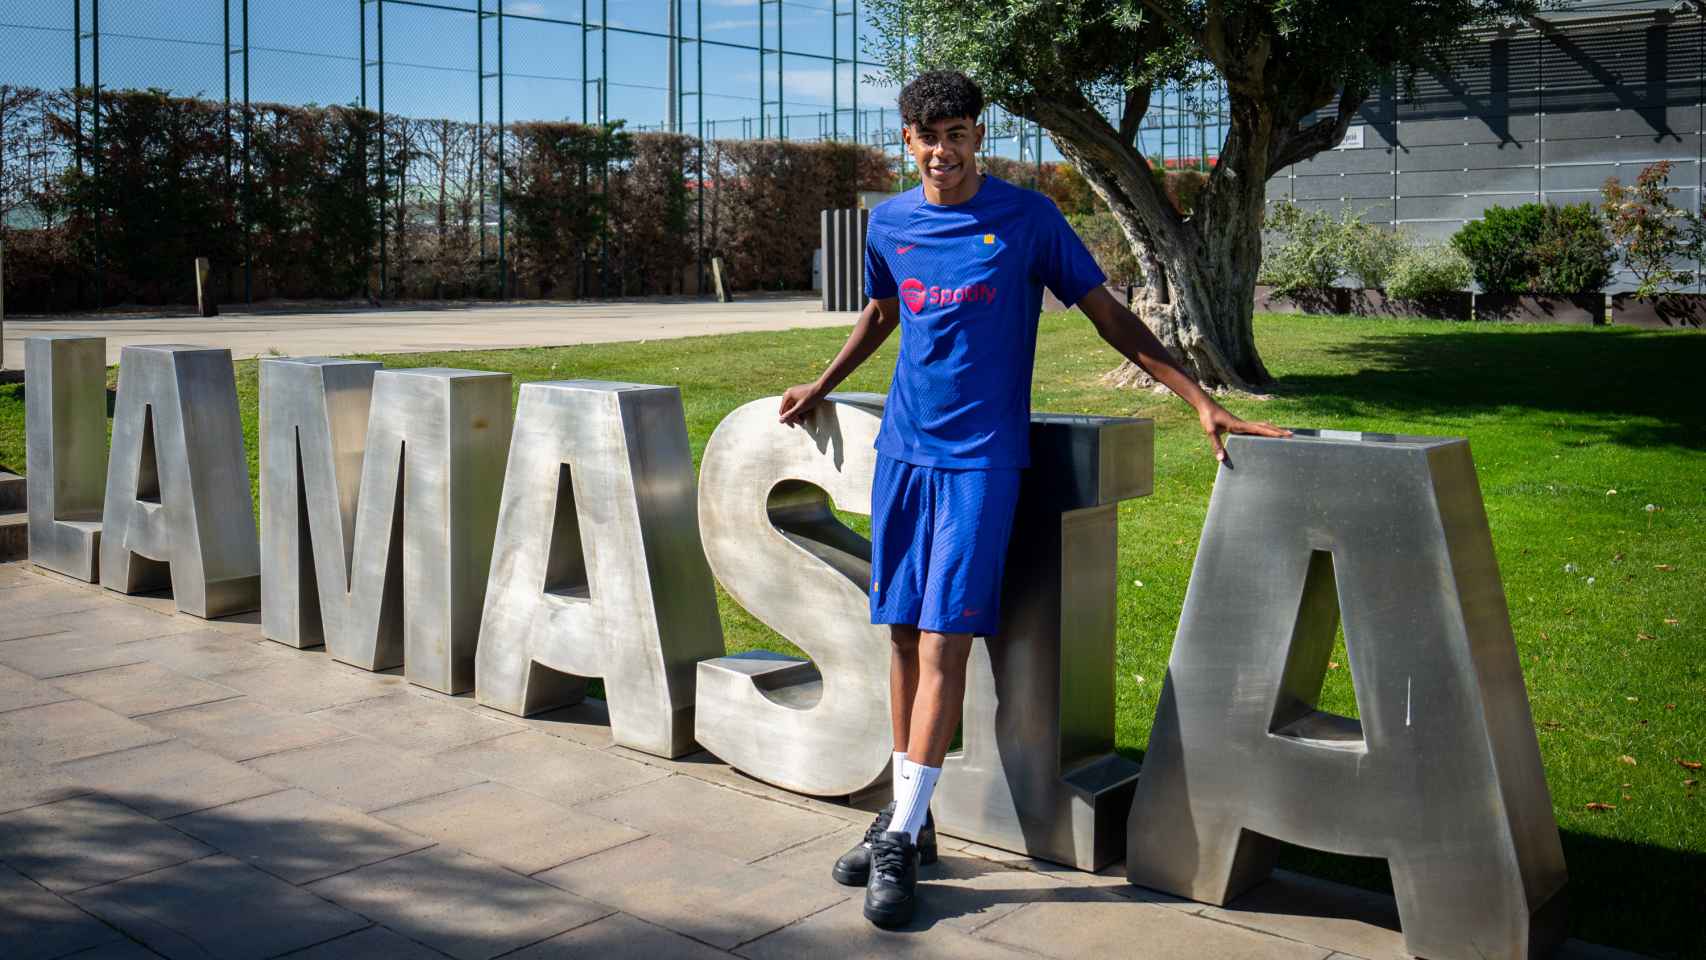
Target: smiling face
[946, 154]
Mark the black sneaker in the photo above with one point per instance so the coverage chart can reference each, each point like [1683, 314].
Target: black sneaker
[854, 867]
[890, 894]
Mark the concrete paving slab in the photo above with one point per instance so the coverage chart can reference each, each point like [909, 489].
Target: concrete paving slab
[90, 840]
[207, 652]
[843, 932]
[308, 682]
[459, 904]
[704, 765]
[19, 690]
[299, 837]
[958, 891]
[414, 723]
[28, 604]
[217, 907]
[242, 729]
[71, 730]
[434, 327]
[100, 615]
[694, 891]
[697, 814]
[619, 937]
[361, 773]
[37, 925]
[117, 950]
[27, 783]
[165, 780]
[1115, 926]
[373, 943]
[586, 723]
[502, 824]
[554, 768]
[138, 688]
[63, 653]
[1332, 915]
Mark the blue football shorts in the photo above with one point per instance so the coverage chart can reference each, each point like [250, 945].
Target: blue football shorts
[939, 545]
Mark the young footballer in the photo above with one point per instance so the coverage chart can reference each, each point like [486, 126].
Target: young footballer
[959, 265]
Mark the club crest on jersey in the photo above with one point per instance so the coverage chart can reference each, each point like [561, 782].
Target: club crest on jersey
[917, 295]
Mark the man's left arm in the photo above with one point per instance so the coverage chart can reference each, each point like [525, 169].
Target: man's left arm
[1137, 343]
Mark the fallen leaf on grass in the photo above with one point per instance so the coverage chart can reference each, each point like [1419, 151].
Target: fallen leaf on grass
[1626, 759]
[1644, 635]
[1663, 566]
[1633, 699]
[1690, 782]
[1627, 797]
[1689, 764]
[1553, 724]
[1670, 706]
[1332, 664]
[1598, 807]
[1543, 636]
[1671, 621]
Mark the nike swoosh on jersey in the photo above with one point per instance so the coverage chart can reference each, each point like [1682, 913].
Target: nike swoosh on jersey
[905, 248]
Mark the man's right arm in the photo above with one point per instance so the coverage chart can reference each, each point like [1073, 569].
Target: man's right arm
[875, 323]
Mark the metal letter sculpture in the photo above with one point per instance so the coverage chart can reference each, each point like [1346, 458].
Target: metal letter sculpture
[409, 585]
[65, 423]
[822, 726]
[1038, 774]
[1442, 776]
[314, 413]
[598, 569]
[178, 510]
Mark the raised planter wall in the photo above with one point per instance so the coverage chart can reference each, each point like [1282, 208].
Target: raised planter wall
[1586, 309]
[1370, 302]
[1330, 300]
[1664, 312]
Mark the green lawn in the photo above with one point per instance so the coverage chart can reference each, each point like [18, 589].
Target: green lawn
[1575, 431]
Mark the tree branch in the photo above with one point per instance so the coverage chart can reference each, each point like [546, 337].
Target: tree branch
[1301, 144]
[1136, 106]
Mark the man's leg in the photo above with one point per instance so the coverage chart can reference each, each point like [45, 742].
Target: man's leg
[940, 695]
[941, 692]
[903, 688]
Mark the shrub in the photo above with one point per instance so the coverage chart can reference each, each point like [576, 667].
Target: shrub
[1428, 270]
[1573, 255]
[1648, 232]
[1371, 251]
[1500, 247]
[1101, 233]
[1305, 250]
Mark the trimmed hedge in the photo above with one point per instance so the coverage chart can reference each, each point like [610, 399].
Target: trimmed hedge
[592, 212]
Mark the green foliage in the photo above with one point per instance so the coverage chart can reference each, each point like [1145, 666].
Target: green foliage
[1535, 248]
[1101, 233]
[1500, 247]
[1304, 249]
[1649, 233]
[1428, 270]
[1574, 255]
[1371, 251]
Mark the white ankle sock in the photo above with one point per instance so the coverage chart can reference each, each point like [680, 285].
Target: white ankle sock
[912, 791]
[896, 765]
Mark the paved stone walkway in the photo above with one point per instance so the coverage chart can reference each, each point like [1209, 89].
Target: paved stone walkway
[178, 787]
[433, 328]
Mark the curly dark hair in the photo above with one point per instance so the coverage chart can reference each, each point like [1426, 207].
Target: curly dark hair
[939, 95]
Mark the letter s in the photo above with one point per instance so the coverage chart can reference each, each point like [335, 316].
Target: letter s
[765, 490]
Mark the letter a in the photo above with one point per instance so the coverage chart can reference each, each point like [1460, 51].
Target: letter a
[597, 571]
[178, 509]
[1441, 775]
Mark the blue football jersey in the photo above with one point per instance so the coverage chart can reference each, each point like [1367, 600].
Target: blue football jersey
[970, 280]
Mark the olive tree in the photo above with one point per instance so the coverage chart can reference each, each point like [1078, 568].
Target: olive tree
[1295, 74]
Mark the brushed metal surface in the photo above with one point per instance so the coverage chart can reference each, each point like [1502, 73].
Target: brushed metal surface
[409, 586]
[313, 436]
[1037, 773]
[65, 428]
[598, 569]
[177, 510]
[819, 727]
[1441, 775]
